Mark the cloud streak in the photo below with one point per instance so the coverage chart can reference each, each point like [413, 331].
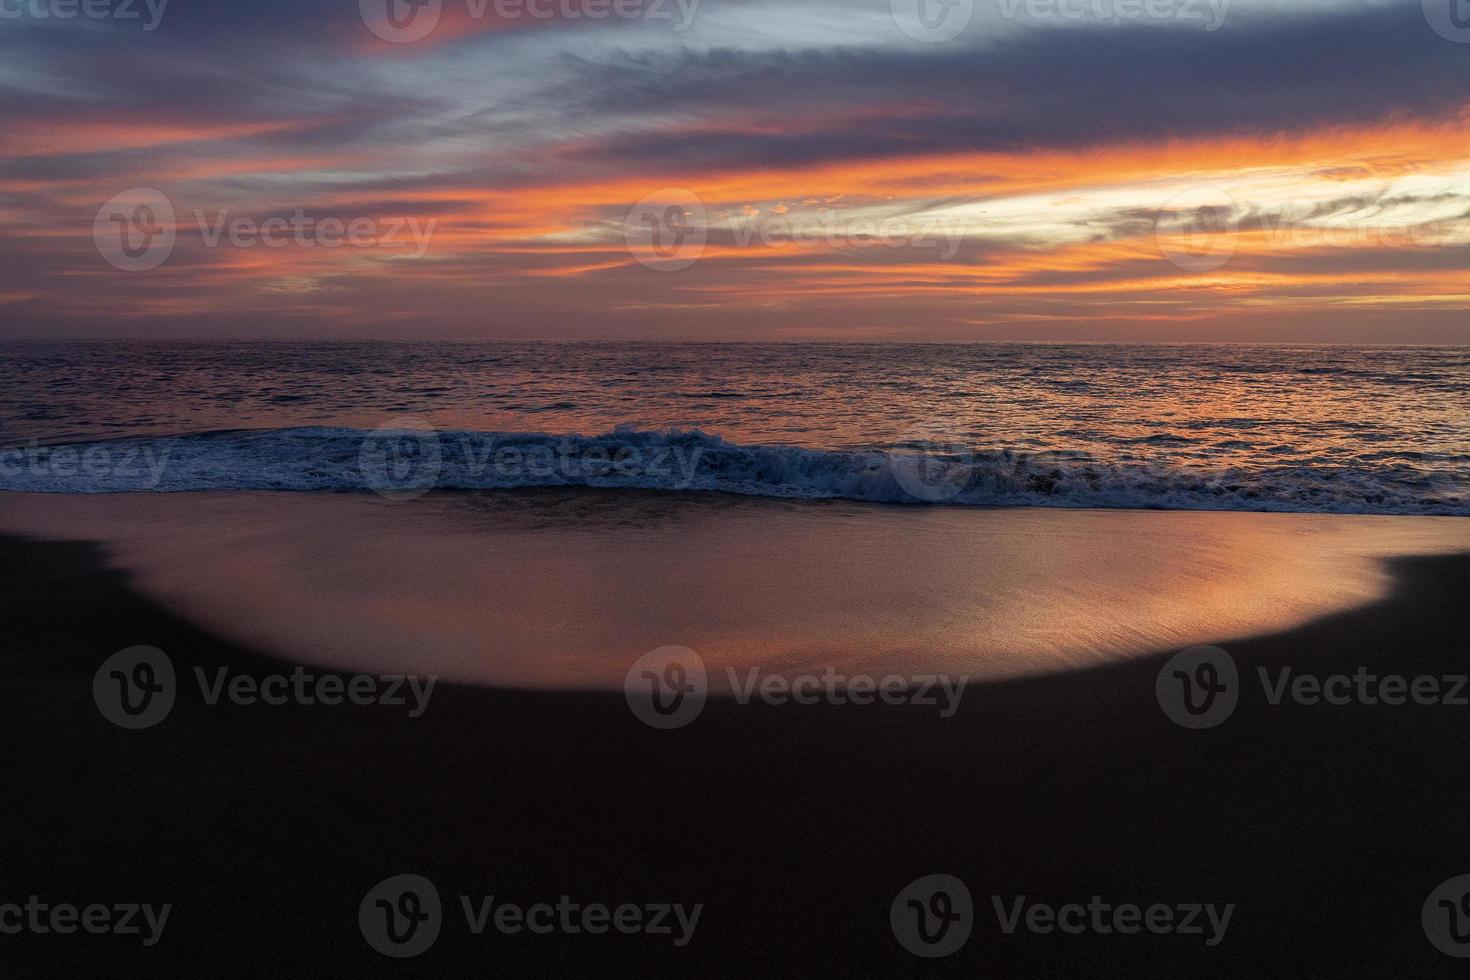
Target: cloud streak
[866, 185]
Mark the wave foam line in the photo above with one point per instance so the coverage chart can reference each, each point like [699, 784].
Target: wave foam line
[409, 461]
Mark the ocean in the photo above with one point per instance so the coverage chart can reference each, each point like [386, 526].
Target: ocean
[1364, 430]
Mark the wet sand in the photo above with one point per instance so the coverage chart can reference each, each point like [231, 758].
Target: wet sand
[795, 826]
[564, 589]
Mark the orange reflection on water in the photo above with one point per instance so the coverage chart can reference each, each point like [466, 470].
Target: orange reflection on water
[565, 589]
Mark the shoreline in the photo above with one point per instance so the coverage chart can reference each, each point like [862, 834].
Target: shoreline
[565, 589]
[793, 826]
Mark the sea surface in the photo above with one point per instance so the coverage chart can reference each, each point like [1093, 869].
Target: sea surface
[1381, 430]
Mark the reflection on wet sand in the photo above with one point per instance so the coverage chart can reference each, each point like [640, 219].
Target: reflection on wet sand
[567, 588]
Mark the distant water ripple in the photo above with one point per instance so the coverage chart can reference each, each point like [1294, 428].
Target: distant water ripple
[1331, 429]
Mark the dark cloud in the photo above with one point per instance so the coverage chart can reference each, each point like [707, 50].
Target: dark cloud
[1052, 88]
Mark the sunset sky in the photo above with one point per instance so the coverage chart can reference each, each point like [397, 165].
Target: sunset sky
[1170, 170]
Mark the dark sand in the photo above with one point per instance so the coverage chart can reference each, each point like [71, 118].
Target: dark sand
[795, 826]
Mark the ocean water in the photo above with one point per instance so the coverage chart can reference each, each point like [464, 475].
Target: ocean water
[1267, 428]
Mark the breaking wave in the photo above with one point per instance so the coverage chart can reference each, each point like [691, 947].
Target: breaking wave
[408, 461]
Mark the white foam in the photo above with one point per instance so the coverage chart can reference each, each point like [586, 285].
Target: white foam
[408, 461]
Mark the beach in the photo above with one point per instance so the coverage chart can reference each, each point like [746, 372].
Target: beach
[873, 488]
[1058, 779]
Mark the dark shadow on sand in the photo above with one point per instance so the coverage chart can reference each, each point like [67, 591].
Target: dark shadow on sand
[794, 826]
